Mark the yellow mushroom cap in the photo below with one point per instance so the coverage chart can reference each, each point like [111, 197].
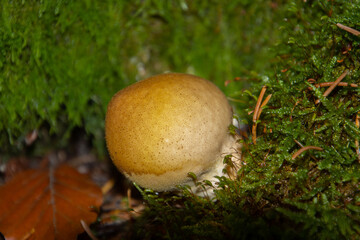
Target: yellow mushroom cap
[160, 129]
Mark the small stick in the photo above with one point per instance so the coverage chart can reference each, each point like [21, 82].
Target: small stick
[88, 230]
[128, 193]
[264, 161]
[254, 133]
[256, 113]
[292, 110]
[298, 143]
[341, 84]
[348, 29]
[107, 186]
[267, 99]
[311, 80]
[303, 149]
[331, 88]
[357, 123]
[258, 104]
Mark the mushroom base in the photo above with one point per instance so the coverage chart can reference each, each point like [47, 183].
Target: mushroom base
[231, 147]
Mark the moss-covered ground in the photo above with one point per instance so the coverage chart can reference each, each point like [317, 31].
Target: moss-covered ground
[301, 163]
[61, 61]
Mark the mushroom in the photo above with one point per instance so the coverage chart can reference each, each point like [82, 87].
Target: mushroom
[160, 129]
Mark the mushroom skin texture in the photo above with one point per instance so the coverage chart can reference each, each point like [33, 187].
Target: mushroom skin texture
[160, 129]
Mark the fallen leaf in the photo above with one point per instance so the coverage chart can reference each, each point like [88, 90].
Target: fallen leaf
[47, 204]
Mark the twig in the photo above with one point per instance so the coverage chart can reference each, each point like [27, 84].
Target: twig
[88, 230]
[311, 80]
[256, 113]
[303, 149]
[254, 133]
[267, 99]
[298, 143]
[107, 186]
[341, 84]
[357, 123]
[264, 161]
[348, 29]
[258, 104]
[128, 193]
[331, 88]
[292, 110]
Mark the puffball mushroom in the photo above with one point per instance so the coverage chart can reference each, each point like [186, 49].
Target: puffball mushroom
[160, 129]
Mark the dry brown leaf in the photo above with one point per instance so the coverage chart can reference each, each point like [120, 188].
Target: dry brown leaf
[47, 204]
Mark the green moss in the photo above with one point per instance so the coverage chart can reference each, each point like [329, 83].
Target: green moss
[61, 61]
[278, 196]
